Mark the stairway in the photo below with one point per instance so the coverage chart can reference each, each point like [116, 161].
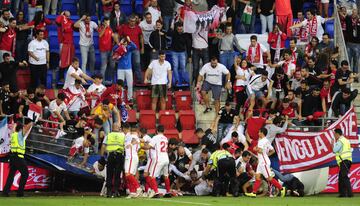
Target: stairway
[357, 100]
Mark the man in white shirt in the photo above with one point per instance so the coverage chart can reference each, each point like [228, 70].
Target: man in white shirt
[264, 150]
[212, 74]
[160, 72]
[200, 51]
[76, 95]
[147, 27]
[39, 56]
[255, 86]
[75, 72]
[255, 53]
[96, 89]
[154, 10]
[57, 107]
[86, 28]
[287, 64]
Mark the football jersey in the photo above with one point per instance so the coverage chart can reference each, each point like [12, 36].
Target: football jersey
[131, 150]
[159, 144]
[265, 145]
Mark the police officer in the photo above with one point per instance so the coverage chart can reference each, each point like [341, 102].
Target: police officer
[17, 161]
[114, 143]
[342, 150]
[223, 163]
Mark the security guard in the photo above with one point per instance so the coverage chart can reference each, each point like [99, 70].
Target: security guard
[223, 163]
[17, 161]
[114, 143]
[342, 150]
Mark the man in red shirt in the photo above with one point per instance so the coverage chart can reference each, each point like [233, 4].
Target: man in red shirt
[105, 46]
[8, 39]
[116, 94]
[254, 123]
[135, 33]
[67, 49]
[284, 15]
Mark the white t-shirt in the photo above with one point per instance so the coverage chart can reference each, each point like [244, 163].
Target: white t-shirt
[53, 107]
[79, 142]
[131, 150]
[200, 40]
[39, 49]
[256, 83]
[159, 144]
[86, 38]
[265, 145]
[240, 130]
[263, 49]
[69, 80]
[291, 67]
[97, 171]
[242, 72]
[155, 14]
[159, 72]
[320, 30]
[147, 29]
[213, 75]
[97, 90]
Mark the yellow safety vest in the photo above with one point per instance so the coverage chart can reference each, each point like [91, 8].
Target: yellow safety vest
[115, 142]
[345, 153]
[15, 147]
[218, 155]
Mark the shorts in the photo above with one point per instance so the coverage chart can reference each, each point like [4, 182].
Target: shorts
[131, 165]
[158, 168]
[158, 91]
[265, 170]
[244, 178]
[215, 89]
[258, 94]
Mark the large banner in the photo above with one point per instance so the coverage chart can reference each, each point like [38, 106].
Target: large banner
[38, 178]
[4, 138]
[300, 151]
[354, 175]
[196, 22]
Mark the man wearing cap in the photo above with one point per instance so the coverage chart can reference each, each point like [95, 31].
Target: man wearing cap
[17, 161]
[342, 150]
[114, 143]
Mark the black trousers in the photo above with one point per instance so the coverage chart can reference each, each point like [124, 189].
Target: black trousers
[226, 174]
[115, 165]
[345, 189]
[240, 100]
[38, 73]
[16, 163]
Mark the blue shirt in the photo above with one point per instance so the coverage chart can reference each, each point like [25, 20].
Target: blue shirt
[125, 61]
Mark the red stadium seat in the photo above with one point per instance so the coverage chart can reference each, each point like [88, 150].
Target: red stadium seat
[188, 137]
[147, 119]
[143, 99]
[183, 100]
[50, 93]
[168, 119]
[132, 116]
[171, 133]
[169, 102]
[187, 119]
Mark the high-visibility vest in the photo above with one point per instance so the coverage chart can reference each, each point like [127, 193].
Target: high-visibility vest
[345, 153]
[15, 147]
[115, 142]
[218, 155]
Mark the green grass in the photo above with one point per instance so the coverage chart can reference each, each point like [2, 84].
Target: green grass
[180, 201]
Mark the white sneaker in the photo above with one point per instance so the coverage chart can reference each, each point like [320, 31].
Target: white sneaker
[131, 195]
[151, 194]
[145, 194]
[139, 192]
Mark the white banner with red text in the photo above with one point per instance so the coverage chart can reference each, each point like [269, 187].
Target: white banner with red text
[300, 151]
[38, 178]
[354, 175]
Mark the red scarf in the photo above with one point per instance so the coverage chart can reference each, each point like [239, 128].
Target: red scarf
[6, 2]
[87, 30]
[313, 25]
[250, 57]
[294, 56]
[343, 23]
[286, 66]
[309, 50]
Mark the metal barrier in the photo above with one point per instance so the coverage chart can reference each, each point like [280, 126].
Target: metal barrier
[339, 39]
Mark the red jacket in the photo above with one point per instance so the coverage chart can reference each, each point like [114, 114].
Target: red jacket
[116, 97]
[272, 40]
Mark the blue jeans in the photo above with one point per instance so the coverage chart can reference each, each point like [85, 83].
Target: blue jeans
[135, 58]
[223, 129]
[198, 54]
[227, 58]
[167, 21]
[53, 4]
[87, 52]
[267, 22]
[179, 63]
[87, 6]
[283, 178]
[353, 50]
[105, 59]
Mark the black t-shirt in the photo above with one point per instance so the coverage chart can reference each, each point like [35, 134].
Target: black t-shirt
[340, 74]
[209, 140]
[313, 81]
[310, 105]
[227, 117]
[6, 102]
[7, 69]
[266, 6]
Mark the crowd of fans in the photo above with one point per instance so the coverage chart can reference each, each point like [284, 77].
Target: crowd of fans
[295, 84]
